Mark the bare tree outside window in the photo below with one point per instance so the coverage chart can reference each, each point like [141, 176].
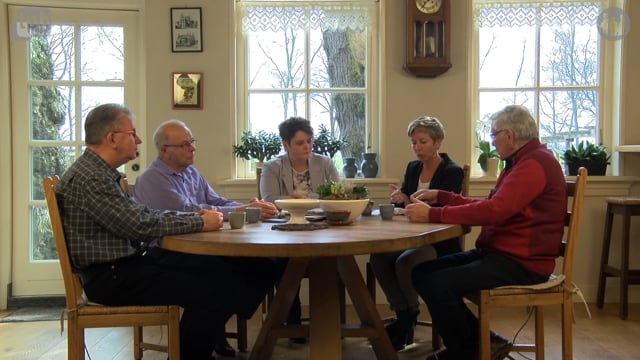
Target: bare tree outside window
[549, 64]
[311, 71]
[55, 81]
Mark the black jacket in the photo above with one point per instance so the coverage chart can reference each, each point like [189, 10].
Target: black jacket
[448, 177]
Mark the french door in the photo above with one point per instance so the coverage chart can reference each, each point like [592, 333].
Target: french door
[64, 62]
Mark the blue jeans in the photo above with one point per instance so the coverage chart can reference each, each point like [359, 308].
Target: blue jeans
[443, 282]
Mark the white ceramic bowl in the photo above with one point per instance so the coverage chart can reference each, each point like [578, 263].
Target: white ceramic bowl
[297, 208]
[355, 206]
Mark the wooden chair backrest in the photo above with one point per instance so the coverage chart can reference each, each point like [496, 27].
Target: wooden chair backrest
[124, 183]
[465, 180]
[72, 287]
[575, 190]
[258, 176]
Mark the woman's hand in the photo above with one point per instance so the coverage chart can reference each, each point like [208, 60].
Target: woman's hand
[426, 195]
[397, 196]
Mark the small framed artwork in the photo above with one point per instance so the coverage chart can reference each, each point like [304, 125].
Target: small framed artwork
[186, 29]
[187, 90]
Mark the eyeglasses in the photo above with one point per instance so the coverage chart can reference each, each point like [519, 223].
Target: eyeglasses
[493, 134]
[183, 145]
[128, 132]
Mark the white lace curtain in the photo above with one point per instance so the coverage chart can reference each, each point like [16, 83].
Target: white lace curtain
[512, 13]
[266, 15]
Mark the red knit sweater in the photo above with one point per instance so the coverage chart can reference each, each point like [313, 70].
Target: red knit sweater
[523, 217]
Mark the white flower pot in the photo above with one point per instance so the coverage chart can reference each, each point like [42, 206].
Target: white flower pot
[492, 167]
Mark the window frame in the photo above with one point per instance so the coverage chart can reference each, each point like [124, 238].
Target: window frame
[34, 277]
[244, 169]
[609, 87]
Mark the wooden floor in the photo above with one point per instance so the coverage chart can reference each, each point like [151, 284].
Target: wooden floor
[605, 336]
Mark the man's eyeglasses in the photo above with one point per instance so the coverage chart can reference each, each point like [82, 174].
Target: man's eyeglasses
[493, 134]
[183, 145]
[128, 132]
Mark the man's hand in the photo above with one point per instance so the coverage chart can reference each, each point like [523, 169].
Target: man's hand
[397, 196]
[269, 210]
[426, 195]
[417, 211]
[212, 219]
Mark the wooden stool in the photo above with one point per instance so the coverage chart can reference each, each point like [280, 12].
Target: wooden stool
[627, 207]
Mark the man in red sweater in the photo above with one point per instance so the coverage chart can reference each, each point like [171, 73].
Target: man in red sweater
[522, 223]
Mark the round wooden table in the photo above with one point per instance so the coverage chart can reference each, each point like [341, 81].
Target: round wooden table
[326, 256]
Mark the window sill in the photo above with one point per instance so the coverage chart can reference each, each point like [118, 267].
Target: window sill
[245, 189]
[627, 148]
[596, 185]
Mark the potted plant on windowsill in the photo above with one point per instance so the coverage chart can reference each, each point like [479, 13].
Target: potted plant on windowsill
[588, 155]
[489, 159]
[325, 143]
[261, 146]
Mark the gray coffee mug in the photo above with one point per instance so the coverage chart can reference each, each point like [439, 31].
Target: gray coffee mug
[253, 214]
[386, 211]
[236, 219]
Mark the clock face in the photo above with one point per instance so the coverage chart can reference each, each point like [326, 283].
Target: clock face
[428, 6]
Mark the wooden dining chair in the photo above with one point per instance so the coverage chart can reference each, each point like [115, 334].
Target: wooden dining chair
[464, 191]
[558, 290]
[371, 278]
[258, 177]
[82, 314]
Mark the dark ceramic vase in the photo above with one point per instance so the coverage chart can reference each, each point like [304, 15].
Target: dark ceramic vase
[349, 169]
[369, 166]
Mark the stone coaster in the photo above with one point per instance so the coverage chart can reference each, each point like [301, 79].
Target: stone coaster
[300, 227]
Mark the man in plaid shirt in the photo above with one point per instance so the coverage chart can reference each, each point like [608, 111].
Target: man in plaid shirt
[109, 235]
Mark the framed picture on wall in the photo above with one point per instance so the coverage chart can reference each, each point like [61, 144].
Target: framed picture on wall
[186, 29]
[187, 90]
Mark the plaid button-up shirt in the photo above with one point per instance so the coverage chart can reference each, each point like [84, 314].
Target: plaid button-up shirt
[101, 221]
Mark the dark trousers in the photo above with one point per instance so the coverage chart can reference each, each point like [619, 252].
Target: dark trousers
[443, 282]
[209, 288]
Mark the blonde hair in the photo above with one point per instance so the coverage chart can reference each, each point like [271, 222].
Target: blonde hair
[428, 124]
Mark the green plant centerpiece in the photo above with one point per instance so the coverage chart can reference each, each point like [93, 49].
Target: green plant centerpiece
[486, 153]
[342, 198]
[327, 144]
[261, 146]
[331, 190]
[588, 155]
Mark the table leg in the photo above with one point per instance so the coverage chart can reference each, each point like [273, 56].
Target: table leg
[325, 331]
[278, 310]
[324, 327]
[365, 308]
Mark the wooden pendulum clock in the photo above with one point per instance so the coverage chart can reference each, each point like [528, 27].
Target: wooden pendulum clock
[428, 37]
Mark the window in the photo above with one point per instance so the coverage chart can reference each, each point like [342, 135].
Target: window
[63, 63]
[549, 56]
[314, 59]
